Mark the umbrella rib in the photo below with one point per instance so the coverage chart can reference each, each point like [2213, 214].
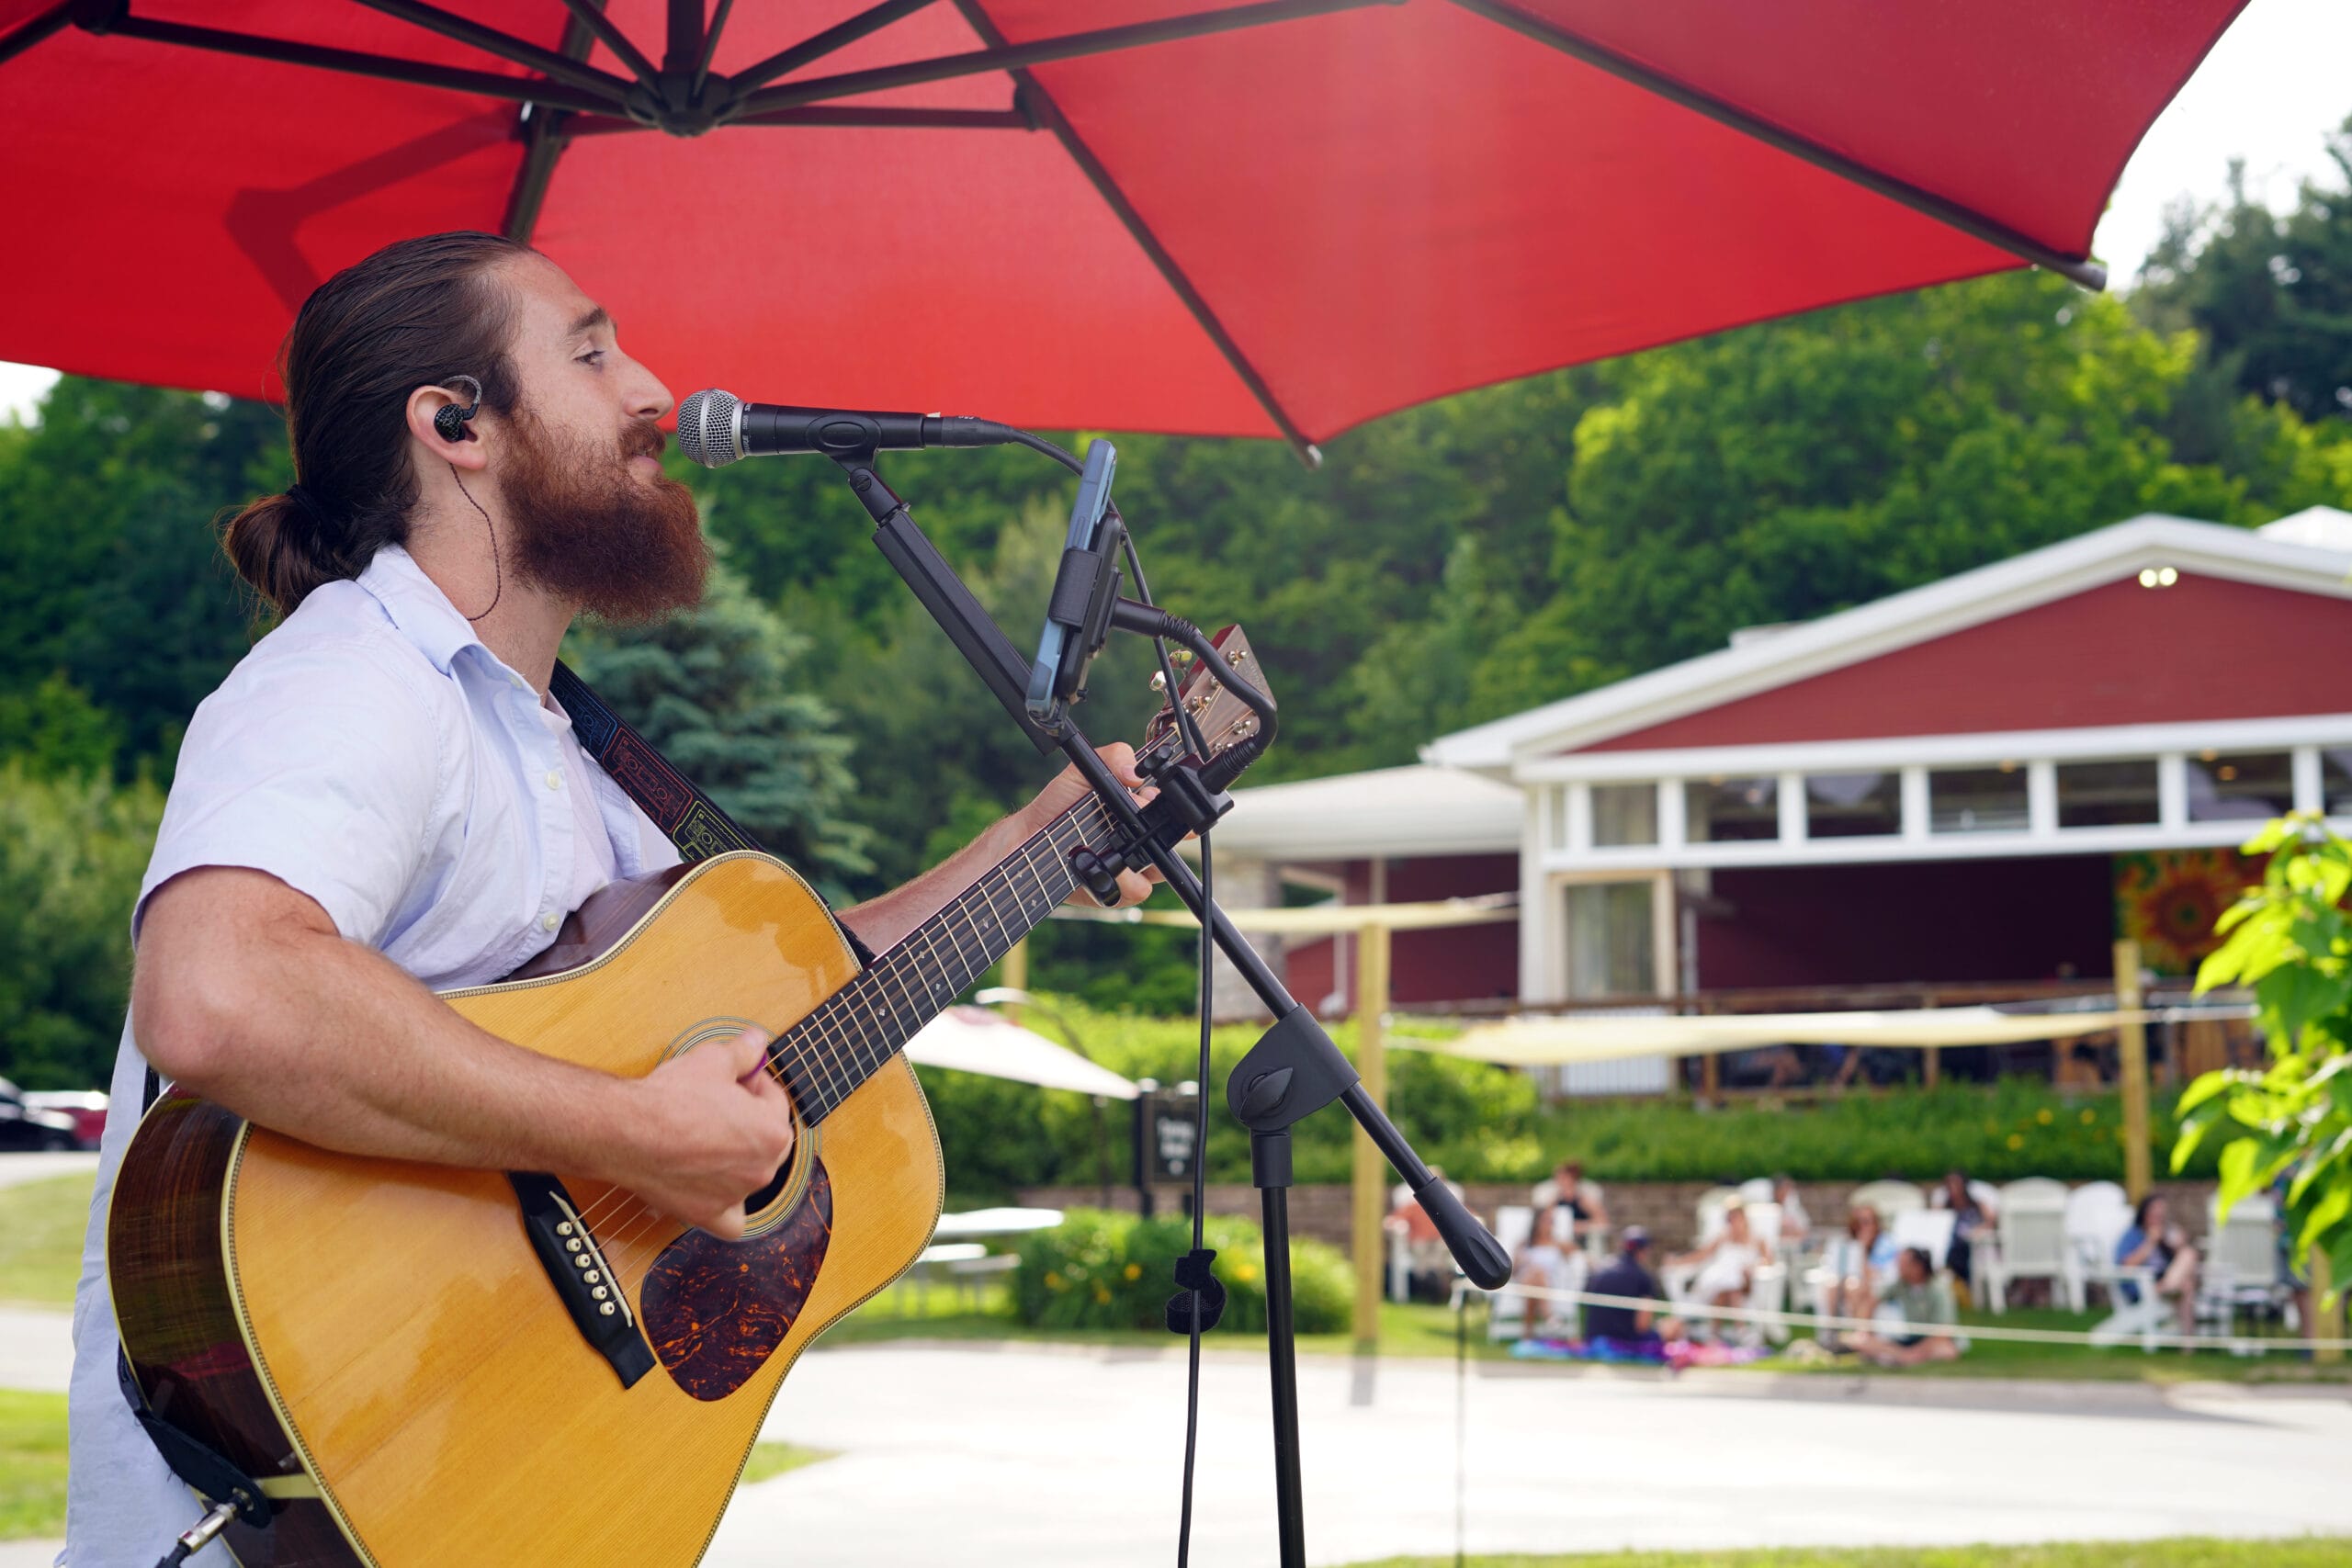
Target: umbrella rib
[835, 116]
[517, 89]
[2087, 273]
[543, 139]
[686, 37]
[1000, 56]
[818, 45]
[590, 15]
[710, 40]
[50, 21]
[506, 46]
[1040, 101]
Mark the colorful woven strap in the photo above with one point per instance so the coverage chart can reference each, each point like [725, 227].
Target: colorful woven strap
[693, 820]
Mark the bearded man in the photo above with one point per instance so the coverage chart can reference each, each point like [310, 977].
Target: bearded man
[382, 800]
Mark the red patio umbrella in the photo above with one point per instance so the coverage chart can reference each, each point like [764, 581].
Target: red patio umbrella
[1269, 218]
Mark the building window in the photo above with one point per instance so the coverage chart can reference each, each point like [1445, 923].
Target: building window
[1717, 810]
[1624, 814]
[2336, 781]
[1977, 800]
[1611, 950]
[2106, 794]
[2241, 787]
[1849, 806]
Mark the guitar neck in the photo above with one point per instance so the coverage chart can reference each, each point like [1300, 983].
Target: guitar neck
[824, 1058]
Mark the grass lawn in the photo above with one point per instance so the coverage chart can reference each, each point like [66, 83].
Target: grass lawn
[2181, 1552]
[33, 1465]
[40, 1239]
[772, 1460]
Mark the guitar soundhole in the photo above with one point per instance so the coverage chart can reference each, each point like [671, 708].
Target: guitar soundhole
[772, 1191]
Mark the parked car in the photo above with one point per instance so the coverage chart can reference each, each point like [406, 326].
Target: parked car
[27, 1127]
[86, 1107]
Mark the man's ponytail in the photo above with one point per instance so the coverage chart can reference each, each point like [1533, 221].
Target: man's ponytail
[283, 547]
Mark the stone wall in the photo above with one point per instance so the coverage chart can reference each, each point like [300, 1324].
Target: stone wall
[1667, 1209]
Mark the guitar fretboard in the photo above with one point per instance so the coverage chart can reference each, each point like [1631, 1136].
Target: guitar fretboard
[826, 1055]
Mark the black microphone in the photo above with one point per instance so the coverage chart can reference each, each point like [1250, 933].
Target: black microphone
[716, 428]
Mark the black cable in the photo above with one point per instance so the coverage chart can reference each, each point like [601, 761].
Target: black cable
[1040, 444]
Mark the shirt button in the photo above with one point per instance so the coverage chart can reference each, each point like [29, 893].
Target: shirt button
[518, 681]
[550, 921]
[555, 778]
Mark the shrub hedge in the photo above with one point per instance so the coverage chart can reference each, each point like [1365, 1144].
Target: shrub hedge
[1101, 1270]
[1485, 1123]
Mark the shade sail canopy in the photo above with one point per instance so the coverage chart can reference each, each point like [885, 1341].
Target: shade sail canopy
[1275, 217]
[974, 1040]
[1533, 1041]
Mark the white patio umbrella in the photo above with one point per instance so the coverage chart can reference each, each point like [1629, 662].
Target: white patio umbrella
[974, 1040]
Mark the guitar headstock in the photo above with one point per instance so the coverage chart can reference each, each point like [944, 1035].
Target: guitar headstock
[1225, 721]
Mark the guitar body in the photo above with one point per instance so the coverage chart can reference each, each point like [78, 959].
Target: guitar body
[380, 1344]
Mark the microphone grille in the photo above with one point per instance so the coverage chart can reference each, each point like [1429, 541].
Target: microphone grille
[708, 428]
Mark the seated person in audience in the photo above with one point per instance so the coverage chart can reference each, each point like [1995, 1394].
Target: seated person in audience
[1727, 1265]
[1795, 1223]
[1552, 1261]
[1429, 1266]
[1567, 1189]
[1970, 1218]
[1918, 1298]
[1858, 1265]
[1632, 1330]
[2153, 1241]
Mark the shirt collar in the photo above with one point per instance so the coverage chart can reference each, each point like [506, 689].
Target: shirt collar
[418, 607]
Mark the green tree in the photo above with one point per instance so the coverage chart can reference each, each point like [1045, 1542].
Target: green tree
[1784, 471]
[71, 852]
[714, 689]
[111, 576]
[2271, 293]
[2291, 939]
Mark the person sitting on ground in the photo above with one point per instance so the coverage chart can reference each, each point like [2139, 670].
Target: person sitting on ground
[1971, 1217]
[1625, 1330]
[2153, 1241]
[1858, 1266]
[1728, 1264]
[1567, 1189]
[1919, 1299]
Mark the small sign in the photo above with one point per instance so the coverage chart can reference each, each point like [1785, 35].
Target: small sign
[1172, 1142]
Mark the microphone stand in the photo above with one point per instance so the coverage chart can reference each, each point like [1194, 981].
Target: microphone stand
[1294, 1070]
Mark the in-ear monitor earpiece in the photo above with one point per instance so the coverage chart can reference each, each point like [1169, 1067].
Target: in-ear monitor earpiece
[449, 422]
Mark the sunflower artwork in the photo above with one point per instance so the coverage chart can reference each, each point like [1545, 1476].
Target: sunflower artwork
[2167, 900]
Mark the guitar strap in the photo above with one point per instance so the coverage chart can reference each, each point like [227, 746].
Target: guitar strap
[695, 822]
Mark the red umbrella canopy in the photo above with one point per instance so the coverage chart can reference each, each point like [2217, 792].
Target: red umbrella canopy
[1272, 219]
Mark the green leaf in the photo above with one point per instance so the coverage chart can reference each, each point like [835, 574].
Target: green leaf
[2332, 1206]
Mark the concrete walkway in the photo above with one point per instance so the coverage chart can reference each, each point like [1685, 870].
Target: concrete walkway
[1010, 1458]
[31, 1166]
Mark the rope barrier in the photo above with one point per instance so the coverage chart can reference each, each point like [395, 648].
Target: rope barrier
[2236, 1344]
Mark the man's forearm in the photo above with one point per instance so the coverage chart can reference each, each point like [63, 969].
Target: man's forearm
[299, 1030]
[881, 922]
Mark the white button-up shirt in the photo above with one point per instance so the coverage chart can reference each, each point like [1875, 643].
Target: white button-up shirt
[371, 753]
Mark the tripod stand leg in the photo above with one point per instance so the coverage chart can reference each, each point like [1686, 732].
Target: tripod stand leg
[1270, 1164]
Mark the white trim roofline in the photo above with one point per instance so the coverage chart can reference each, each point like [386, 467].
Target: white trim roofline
[2118, 552]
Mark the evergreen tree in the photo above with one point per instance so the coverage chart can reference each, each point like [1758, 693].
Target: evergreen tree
[715, 690]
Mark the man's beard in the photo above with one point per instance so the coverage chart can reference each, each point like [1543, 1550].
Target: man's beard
[588, 529]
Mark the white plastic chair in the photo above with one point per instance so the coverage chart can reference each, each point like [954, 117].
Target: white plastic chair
[2097, 1213]
[1514, 1227]
[1927, 1228]
[1710, 1212]
[1889, 1198]
[2241, 1261]
[2030, 1242]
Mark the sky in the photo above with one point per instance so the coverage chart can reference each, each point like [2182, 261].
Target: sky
[2269, 92]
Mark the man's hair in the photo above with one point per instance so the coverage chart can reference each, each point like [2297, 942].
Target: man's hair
[1924, 1258]
[417, 313]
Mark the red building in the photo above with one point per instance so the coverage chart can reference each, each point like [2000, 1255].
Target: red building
[1984, 780]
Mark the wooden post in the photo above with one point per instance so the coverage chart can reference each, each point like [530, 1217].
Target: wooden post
[2327, 1321]
[2132, 1070]
[1016, 974]
[1371, 1170]
[1934, 1063]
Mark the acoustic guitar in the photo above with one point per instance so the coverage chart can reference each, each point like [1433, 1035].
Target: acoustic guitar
[426, 1367]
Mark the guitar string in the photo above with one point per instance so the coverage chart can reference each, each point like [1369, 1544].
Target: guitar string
[618, 1209]
[637, 1226]
[632, 1219]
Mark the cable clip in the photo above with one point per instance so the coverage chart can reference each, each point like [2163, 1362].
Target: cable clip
[1200, 1284]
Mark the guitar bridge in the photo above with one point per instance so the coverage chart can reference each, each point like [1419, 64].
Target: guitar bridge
[582, 1279]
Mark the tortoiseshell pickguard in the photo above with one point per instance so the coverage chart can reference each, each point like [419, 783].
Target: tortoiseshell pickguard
[715, 1310]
